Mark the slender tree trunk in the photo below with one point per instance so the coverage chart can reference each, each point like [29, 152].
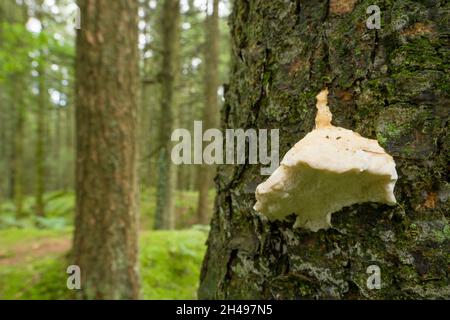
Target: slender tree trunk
[3, 144]
[389, 84]
[107, 83]
[144, 135]
[17, 152]
[4, 119]
[148, 109]
[69, 144]
[16, 13]
[40, 139]
[165, 206]
[57, 153]
[211, 108]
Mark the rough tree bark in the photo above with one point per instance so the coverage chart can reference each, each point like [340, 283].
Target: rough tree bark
[211, 107]
[165, 206]
[390, 84]
[107, 82]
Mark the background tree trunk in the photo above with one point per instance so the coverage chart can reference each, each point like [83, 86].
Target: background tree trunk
[106, 232]
[211, 108]
[389, 84]
[16, 13]
[40, 138]
[69, 142]
[4, 118]
[165, 206]
[17, 152]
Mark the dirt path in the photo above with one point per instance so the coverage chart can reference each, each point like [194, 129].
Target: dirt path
[29, 251]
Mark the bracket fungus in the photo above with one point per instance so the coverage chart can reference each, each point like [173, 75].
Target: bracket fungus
[330, 168]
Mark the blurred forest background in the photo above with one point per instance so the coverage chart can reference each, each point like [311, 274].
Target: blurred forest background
[183, 58]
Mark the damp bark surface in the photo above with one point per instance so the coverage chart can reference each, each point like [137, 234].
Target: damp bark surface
[391, 85]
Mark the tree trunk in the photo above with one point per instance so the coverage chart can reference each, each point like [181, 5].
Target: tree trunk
[211, 108]
[17, 154]
[69, 143]
[3, 146]
[15, 88]
[106, 223]
[389, 84]
[58, 176]
[40, 138]
[165, 206]
[4, 117]
[146, 107]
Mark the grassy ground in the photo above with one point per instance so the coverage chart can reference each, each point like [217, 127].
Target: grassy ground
[32, 263]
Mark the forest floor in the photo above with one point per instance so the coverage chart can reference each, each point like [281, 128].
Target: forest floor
[33, 263]
[21, 252]
[34, 250]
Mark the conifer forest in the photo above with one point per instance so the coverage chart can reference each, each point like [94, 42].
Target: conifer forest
[225, 150]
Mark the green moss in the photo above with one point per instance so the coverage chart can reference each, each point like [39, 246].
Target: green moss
[443, 235]
[418, 53]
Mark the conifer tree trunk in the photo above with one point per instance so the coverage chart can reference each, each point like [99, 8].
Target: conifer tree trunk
[4, 115]
[17, 152]
[211, 108]
[58, 176]
[69, 142]
[16, 13]
[40, 140]
[165, 207]
[389, 84]
[107, 83]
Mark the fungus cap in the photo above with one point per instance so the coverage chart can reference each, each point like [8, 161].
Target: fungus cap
[330, 168]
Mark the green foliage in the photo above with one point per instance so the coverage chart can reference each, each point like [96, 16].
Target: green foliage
[17, 237]
[43, 280]
[58, 212]
[59, 208]
[16, 47]
[59, 203]
[170, 265]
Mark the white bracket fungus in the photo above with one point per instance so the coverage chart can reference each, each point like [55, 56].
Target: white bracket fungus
[330, 168]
